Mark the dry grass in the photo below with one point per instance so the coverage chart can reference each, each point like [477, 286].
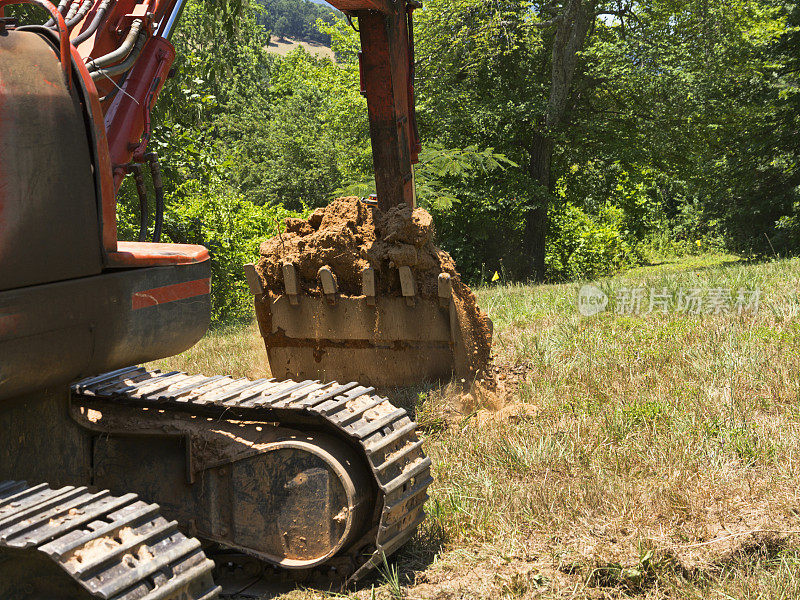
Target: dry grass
[661, 459]
[284, 46]
[235, 351]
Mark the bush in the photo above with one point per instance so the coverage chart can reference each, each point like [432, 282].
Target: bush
[581, 246]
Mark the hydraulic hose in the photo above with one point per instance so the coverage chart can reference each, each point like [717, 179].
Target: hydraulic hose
[73, 8]
[141, 191]
[125, 65]
[62, 6]
[155, 172]
[158, 184]
[120, 53]
[98, 18]
[80, 13]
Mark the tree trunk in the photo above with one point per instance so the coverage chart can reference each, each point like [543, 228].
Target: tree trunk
[572, 27]
[536, 217]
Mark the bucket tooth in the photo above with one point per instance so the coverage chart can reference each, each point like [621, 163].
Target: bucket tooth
[290, 283]
[327, 281]
[445, 289]
[407, 284]
[368, 284]
[253, 280]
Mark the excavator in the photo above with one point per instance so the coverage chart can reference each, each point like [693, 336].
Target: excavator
[124, 483]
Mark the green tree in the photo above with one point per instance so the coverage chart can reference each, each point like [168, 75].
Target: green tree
[509, 69]
[693, 94]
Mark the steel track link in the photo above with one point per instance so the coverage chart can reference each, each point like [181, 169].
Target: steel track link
[114, 548]
[385, 435]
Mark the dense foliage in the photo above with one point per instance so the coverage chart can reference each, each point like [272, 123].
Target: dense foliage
[561, 140]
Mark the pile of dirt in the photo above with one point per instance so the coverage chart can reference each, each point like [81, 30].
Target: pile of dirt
[348, 235]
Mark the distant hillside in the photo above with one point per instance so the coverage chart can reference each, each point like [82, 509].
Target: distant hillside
[296, 20]
[284, 46]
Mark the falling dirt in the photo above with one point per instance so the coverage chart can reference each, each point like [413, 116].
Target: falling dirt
[348, 236]
[496, 397]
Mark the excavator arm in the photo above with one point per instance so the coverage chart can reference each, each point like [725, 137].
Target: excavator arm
[387, 81]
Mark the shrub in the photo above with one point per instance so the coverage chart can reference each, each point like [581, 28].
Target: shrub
[585, 246]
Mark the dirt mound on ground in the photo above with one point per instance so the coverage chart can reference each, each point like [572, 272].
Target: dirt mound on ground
[348, 235]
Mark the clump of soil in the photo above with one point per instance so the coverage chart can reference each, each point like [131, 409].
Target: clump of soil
[348, 235]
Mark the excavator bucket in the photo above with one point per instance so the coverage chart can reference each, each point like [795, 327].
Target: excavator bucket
[380, 341]
[355, 293]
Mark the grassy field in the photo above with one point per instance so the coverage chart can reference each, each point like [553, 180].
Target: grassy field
[283, 46]
[649, 456]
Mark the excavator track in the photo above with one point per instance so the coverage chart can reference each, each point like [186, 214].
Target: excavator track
[75, 544]
[383, 435]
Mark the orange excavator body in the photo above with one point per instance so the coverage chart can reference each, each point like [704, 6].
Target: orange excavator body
[338, 484]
